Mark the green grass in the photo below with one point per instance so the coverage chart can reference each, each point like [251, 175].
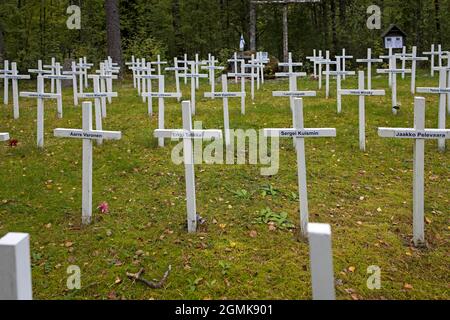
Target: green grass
[146, 191]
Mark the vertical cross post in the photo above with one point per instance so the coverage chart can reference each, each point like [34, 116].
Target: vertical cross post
[321, 261]
[15, 267]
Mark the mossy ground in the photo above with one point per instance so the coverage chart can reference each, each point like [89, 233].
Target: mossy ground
[365, 196]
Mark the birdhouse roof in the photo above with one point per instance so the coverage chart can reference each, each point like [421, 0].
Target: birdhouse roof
[393, 30]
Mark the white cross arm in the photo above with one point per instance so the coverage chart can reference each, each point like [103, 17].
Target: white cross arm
[362, 92]
[176, 69]
[198, 75]
[90, 135]
[339, 73]
[303, 133]
[292, 64]
[58, 77]
[194, 134]
[242, 75]
[114, 77]
[158, 62]
[39, 71]
[290, 74]
[17, 76]
[4, 136]
[385, 71]
[408, 133]
[150, 77]
[433, 90]
[39, 95]
[212, 68]
[225, 94]
[294, 93]
[162, 95]
[94, 95]
[369, 60]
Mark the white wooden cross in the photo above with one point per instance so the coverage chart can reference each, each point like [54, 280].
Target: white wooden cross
[344, 59]
[15, 267]
[340, 73]
[225, 95]
[314, 59]
[40, 95]
[290, 65]
[131, 64]
[106, 78]
[188, 134]
[52, 67]
[144, 68]
[291, 75]
[369, 60]
[158, 63]
[242, 75]
[85, 66]
[260, 66]
[108, 72]
[443, 90]
[74, 73]
[419, 134]
[57, 77]
[252, 75]
[4, 136]
[5, 71]
[176, 68]
[161, 95]
[140, 69]
[327, 62]
[99, 94]
[193, 76]
[257, 69]
[433, 53]
[393, 71]
[186, 63]
[99, 102]
[212, 72]
[87, 134]
[321, 261]
[235, 62]
[300, 133]
[15, 77]
[40, 71]
[147, 77]
[362, 93]
[413, 58]
[390, 57]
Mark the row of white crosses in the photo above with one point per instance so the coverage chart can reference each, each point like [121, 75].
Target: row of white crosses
[439, 54]
[14, 76]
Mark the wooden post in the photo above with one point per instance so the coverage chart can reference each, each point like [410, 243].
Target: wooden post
[15, 267]
[321, 261]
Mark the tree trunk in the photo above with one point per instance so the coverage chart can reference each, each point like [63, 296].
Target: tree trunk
[333, 26]
[437, 7]
[2, 46]
[285, 33]
[113, 31]
[177, 27]
[252, 31]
